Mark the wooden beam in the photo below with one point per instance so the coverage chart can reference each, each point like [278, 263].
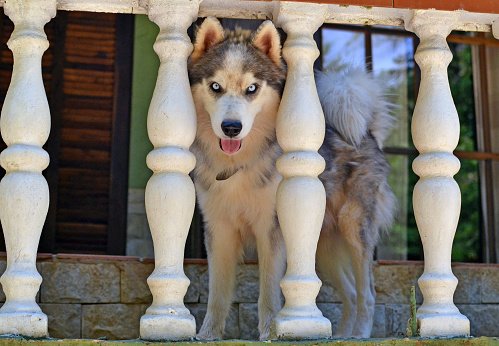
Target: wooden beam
[365, 3]
[478, 14]
[480, 6]
[56, 101]
[118, 191]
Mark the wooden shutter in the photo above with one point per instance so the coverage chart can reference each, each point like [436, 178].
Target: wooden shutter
[87, 76]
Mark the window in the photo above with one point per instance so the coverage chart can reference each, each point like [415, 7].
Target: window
[473, 77]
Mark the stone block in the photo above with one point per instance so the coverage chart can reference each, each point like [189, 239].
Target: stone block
[393, 283]
[140, 248]
[328, 294]
[483, 318]
[192, 271]
[333, 313]
[490, 284]
[134, 288]
[247, 284]
[64, 320]
[39, 269]
[397, 316]
[3, 266]
[80, 283]
[231, 325]
[111, 321]
[203, 284]
[133, 247]
[248, 321]
[136, 201]
[379, 323]
[137, 226]
[468, 289]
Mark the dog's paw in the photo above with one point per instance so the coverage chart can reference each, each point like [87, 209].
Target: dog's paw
[207, 336]
[264, 337]
[360, 334]
[342, 336]
[265, 329]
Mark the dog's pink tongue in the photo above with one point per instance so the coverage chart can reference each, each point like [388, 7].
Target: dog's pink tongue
[230, 146]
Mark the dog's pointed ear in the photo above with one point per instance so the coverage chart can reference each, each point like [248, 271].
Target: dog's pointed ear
[268, 41]
[209, 34]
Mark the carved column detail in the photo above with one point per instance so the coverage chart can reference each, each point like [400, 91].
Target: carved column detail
[436, 198]
[24, 194]
[170, 196]
[301, 197]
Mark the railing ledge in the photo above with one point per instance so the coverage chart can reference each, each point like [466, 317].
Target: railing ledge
[261, 9]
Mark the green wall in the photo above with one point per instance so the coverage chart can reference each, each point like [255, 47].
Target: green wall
[145, 70]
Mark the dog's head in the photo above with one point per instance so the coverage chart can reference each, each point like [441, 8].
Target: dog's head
[236, 79]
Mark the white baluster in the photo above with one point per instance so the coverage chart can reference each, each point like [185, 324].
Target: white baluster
[24, 194]
[170, 195]
[437, 198]
[301, 197]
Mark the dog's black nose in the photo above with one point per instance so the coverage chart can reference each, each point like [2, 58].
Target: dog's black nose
[231, 128]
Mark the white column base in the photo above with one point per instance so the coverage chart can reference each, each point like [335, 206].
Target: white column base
[300, 318]
[313, 325]
[167, 318]
[178, 325]
[447, 325]
[34, 324]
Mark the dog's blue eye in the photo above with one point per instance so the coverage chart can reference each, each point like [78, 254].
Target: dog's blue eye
[215, 87]
[251, 89]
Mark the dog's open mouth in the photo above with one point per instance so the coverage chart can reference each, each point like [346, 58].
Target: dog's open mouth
[230, 146]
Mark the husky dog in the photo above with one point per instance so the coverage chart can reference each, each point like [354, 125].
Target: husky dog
[237, 79]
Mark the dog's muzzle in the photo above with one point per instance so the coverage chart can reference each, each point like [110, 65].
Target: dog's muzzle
[231, 128]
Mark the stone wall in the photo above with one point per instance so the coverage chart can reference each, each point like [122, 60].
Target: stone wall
[104, 297]
[138, 235]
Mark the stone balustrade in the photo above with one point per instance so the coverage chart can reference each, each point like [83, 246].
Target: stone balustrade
[82, 295]
[436, 198]
[170, 195]
[301, 198]
[24, 193]
[169, 200]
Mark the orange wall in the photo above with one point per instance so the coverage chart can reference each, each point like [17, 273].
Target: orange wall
[485, 6]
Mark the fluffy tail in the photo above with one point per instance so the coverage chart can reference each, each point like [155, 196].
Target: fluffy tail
[355, 103]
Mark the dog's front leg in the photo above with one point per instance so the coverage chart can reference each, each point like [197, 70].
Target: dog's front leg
[223, 244]
[272, 264]
[366, 294]
[334, 266]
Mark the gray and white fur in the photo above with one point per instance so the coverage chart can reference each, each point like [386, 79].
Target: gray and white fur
[239, 77]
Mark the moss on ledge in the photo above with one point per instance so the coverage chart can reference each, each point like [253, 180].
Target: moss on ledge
[481, 341]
